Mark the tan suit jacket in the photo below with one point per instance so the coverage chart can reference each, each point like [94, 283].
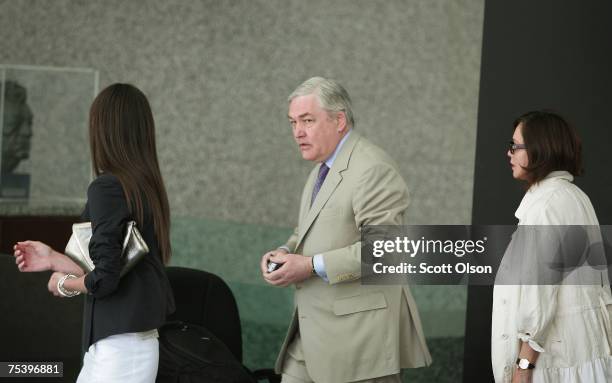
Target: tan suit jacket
[351, 331]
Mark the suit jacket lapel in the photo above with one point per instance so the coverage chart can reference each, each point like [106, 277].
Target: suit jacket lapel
[333, 179]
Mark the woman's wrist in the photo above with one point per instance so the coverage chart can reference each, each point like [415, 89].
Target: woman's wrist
[58, 262]
[76, 284]
[65, 292]
[53, 260]
[62, 263]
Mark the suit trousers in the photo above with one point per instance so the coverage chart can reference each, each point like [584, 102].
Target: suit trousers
[294, 367]
[122, 358]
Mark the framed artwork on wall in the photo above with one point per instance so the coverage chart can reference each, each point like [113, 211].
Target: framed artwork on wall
[44, 160]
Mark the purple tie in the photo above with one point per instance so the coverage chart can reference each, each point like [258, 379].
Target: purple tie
[321, 177]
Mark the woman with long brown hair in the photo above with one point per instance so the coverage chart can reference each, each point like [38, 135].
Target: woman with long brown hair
[121, 314]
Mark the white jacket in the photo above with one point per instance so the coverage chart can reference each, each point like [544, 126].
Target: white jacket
[569, 325]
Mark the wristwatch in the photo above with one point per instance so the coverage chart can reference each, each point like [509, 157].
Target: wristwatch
[524, 364]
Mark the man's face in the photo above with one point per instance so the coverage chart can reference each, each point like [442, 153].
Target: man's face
[316, 132]
[16, 134]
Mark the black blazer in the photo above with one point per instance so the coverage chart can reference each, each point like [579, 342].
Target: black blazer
[142, 298]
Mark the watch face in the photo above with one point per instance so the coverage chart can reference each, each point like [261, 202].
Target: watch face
[523, 364]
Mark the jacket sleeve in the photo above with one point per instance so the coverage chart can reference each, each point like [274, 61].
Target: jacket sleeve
[109, 214]
[291, 243]
[537, 309]
[539, 252]
[380, 198]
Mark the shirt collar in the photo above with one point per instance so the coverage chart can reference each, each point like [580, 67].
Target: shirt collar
[559, 174]
[536, 191]
[330, 160]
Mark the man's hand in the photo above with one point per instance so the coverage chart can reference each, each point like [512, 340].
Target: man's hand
[293, 268]
[266, 259]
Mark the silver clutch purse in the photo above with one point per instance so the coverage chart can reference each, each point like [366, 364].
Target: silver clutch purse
[77, 249]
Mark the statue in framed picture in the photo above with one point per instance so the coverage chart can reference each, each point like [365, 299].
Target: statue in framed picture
[16, 136]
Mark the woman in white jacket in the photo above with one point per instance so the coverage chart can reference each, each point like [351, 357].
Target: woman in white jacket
[554, 332]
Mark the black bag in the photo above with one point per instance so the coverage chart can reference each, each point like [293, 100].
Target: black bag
[191, 354]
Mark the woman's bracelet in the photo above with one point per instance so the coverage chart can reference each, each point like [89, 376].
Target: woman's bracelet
[62, 290]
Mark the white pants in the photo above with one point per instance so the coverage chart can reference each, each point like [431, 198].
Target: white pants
[129, 358]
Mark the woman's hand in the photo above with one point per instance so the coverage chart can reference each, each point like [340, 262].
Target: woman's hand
[522, 376]
[52, 285]
[32, 256]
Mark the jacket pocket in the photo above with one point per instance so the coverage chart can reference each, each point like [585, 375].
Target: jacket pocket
[360, 303]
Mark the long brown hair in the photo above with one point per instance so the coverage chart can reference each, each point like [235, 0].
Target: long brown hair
[122, 142]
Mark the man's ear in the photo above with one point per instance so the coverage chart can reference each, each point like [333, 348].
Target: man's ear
[342, 123]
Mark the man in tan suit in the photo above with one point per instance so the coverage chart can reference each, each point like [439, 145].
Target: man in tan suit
[342, 331]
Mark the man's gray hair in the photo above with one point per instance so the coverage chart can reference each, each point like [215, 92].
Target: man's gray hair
[331, 96]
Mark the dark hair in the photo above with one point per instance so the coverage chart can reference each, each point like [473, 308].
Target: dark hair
[552, 144]
[122, 141]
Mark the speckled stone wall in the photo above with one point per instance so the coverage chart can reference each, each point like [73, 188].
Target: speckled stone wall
[218, 73]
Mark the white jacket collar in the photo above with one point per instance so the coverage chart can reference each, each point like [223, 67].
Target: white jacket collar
[540, 189]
